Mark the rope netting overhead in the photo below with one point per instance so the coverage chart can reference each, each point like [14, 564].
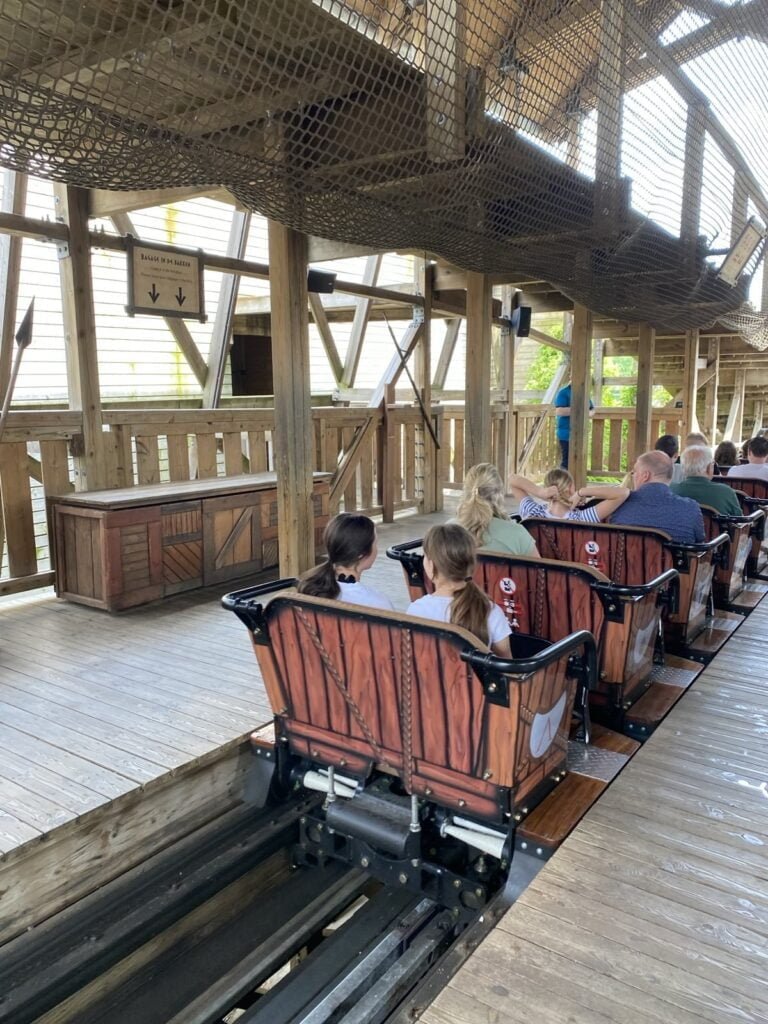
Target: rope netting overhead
[606, 147]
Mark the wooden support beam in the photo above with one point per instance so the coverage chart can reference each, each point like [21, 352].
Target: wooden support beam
[80, 336]
[693, 176]
[432, 495]
[508, 456]
[581, 363]
[608, 132]
[326, 336]
[452, 328]
[477, 401]
[14, 202]
[735, 425]
[546, 339]
[710, 395]
[598, 376]
[177, 327]
[359, 323]
[547, 401]
[445, 79]
[757, 424]
[391, 375]
[293, 436]
[108, 203]
[739, 205]
[690, 420]
[225, 311]
[645, 357]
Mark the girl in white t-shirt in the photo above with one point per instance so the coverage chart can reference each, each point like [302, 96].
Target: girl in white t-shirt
[350, 542]
[449, 561]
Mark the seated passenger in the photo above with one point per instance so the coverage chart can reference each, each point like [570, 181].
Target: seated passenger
[756, 467]
[653, 504]
[695, 438]
[698, 467]
[449, 561]
[350, 543]
[667, 443]
[726, 455]
[481, 511]
[559, 498]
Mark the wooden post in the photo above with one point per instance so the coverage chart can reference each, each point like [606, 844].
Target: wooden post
[735, 424]
[293, 435]
[690, 381]
[508, 340]
[225, 311]
[693, 178]
[608, 132]
[710, 394]
[445, 79]
[14, 201]
[360, 323]
[598, 351]
[757, 425]
[433, 487]
[646, 345]
[477, 409]
[80, 336]
[389, 467]
[581, 361]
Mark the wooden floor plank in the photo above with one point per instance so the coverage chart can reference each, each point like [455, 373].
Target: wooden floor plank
[662, 889]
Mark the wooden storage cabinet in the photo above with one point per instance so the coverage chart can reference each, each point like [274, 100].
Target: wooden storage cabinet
[117, 549]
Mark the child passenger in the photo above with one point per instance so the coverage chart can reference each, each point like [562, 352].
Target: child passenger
[350, 543]
[449, 562]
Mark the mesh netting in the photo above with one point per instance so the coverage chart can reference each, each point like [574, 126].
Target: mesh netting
[491, 133]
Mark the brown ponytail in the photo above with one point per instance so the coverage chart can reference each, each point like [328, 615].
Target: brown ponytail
[451, 549]
[348, 538]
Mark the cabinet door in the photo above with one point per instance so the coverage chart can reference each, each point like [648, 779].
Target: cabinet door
[236, 531]
[182, 545]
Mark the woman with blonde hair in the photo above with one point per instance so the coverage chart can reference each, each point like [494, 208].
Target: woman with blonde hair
[559, 498]
[449, 562]
[482, 513]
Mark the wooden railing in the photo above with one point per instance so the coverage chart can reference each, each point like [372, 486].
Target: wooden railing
[155, 446]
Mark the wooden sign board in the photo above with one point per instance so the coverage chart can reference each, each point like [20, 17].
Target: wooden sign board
[164, 281]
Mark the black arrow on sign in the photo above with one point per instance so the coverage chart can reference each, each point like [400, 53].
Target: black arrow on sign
[154, 294]
[180, 297]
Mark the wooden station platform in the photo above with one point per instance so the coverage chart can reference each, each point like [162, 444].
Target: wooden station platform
[655, 909]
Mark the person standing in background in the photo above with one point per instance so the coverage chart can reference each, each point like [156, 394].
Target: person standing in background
[563, 413]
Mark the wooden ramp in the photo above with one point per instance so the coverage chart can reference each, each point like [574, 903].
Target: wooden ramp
[656, 907]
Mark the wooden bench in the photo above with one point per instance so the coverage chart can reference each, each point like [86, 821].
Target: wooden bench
[753, 497]
[552, 599]
[729, 579]
[120, 548]
[631, 555]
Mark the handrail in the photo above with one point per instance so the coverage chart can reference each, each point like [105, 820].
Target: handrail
[491, 663]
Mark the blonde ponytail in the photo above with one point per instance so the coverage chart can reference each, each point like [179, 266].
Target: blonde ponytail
[482, 500]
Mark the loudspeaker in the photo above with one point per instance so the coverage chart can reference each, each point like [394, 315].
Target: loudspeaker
[523, 328]
[320, 281]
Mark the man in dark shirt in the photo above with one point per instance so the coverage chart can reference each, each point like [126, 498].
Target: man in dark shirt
[653, 504]
[698, 467]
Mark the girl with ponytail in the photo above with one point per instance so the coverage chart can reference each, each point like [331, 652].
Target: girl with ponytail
[482, 513]
[559, 498]
[350, 543]
[449, 561]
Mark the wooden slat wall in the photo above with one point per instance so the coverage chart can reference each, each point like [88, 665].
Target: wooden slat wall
[654, 909]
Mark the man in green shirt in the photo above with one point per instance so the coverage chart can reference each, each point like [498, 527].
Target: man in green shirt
[698, 467]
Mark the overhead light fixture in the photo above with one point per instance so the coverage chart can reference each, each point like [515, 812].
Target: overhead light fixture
[741, 252]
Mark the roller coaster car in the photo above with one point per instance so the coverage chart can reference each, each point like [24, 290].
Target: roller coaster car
[429, 748]
[551, 599]
[630, 555]
[729, 580]
[753, 497]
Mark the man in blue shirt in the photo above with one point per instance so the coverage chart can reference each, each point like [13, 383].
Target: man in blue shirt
[563, 413]
[653, 504]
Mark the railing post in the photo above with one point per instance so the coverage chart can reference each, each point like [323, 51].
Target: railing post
[389, 454]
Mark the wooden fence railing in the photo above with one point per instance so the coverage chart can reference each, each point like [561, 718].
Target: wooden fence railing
[154, 446]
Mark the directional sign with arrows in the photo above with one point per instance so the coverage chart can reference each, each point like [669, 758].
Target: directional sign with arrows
[163, 281]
